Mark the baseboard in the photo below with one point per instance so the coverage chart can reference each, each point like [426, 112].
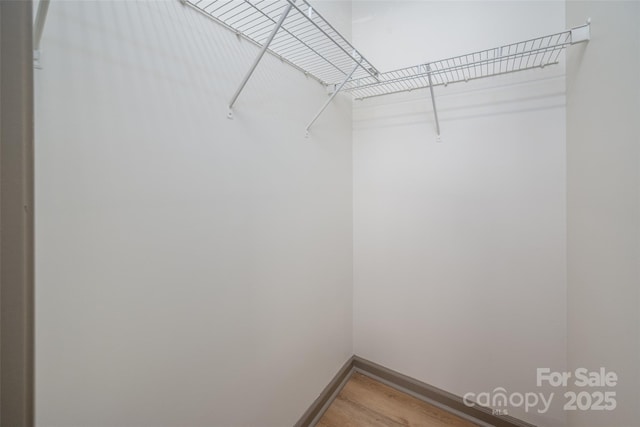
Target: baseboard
[438, 397]
[329, 393]
[446, 400]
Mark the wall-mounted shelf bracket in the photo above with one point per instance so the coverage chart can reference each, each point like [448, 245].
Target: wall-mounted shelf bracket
[37, 60]
[256, 61]
[433, 102]
[582, 33]
[38, 29]
[333, 95]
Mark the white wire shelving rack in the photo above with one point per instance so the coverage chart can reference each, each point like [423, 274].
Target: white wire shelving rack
[535, 53]
[520, 56]
[297, 34]
[292, 31]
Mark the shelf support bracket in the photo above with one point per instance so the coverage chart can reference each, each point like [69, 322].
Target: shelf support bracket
[38, 29]
[333, 95]
[582, 33]
[433, 102]
[264, 48]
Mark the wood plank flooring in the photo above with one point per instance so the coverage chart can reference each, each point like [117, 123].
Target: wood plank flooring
[364, 402]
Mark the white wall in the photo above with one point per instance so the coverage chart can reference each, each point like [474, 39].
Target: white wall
[459, 247]
[191, 270]
[603, 189]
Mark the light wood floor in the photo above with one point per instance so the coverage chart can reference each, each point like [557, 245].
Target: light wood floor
[364, 402]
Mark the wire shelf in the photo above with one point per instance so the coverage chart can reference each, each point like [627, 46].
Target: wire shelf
[535, 53]
[297, 34]
[305, 39]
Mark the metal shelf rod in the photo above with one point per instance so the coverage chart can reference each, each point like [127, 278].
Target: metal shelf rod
[235, 96]
[41, 17]
[333, 95]
[433, 101]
